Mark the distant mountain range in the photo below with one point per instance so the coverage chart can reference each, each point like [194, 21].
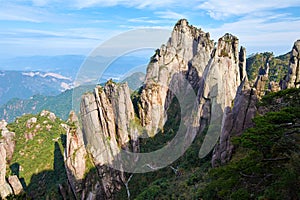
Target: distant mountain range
[24, 77]
[66, 65]
[23, 85]
[32, 91]
[61, 104]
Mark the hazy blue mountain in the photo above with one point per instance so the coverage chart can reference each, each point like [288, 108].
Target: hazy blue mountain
[24, 77]
[60, 104]
[18, 84]
[66, 65]
[135, 80]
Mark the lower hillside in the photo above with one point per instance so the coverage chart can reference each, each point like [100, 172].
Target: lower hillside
[38, 156]
[265, 164]
[266, 161]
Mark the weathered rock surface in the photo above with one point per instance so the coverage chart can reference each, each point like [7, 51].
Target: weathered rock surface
[48, 114]
[237, 119]
[107, 123]
[261, 81]
[8, 140]
[16, 185]
[215, 73]
[274, 86]
[217, 90]
[2, 164]
[223, 100]
[75, 155]
[245, 105]
[188, 50]
[293, 77]
[5, 188]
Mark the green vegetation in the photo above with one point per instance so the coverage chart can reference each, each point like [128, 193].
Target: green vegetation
[135, 80]
[61, 104]
[265, 163]
[166, 183]
[278, 65]
[38, 157]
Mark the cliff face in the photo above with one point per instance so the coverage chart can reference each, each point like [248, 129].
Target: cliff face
[293, 77]
[188, 51]
[108, 124]
[75, 155]
[7, 146]
[245, 108]
[188, 60]
[223, 101]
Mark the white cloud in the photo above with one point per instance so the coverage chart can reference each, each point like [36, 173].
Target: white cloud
[145, 20]
[223, 9]
[24, 13]
[19, 13]
[128, 3]
[170, 15]
[259, 34]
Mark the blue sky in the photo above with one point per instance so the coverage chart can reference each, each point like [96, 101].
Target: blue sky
[57, 27]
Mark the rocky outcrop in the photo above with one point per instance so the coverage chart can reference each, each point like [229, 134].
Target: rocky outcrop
[7, 147]
[261, 81]
[245, 106]
[187, 51]
[274, 86]
[293, 77]
[108, 124]
[238, 118]
[48, 114]
[214, 73]
[75, 155]
[15, 184]
[2, 164]
[223, 101]
[8, 140]
[217, 90]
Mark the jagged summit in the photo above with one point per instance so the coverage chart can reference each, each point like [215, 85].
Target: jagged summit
[293, 77]
[207, 81]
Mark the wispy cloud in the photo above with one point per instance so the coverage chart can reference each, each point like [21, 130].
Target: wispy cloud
[129, 3]
[146, 20]
[223, 9]
[10, 12]
[25, 13]
[169, 15]
[262, 34]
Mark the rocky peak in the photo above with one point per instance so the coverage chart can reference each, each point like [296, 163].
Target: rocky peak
[13, 186]
[75, 154]
[293, 77]
[261, 81]
[228, 47]
[107, 124]
[188, 52]
[223, 97]
[2, 164]
[8, 140]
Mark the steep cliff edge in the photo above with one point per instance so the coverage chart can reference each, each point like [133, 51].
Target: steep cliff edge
[188, 60]
[191, 82]
[108, 118]
[188, 51]
[293, 77]
[245, 105]
[7, 146]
